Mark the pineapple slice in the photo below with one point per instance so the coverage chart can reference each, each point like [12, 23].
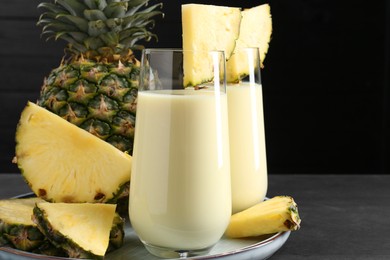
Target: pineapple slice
[274, 215]
[207, 28]
[63, 163]
[18, 230]
[82, 230]
[16, 226]
[255, 31]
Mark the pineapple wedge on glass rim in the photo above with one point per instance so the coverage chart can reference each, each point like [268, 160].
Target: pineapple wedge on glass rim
[255, 31]
[210, 27]
[63, 163]
[207, 28]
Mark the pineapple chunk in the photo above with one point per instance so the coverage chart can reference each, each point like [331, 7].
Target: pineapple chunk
[82, 230]
[255, 31]
[207, 28]
[274, 215]
[63, 163]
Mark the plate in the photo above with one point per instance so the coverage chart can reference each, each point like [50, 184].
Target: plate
[261, 247]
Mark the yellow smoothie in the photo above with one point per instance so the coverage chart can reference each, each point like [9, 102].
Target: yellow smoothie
[247, 145]
[180, 186]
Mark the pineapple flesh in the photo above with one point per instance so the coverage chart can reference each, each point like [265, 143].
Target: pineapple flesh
[63, 163]
[82, 230]
[277, 214]
[207, 28]
[255, 31]
[95, 86]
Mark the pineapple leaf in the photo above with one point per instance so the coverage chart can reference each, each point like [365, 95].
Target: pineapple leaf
[78, 36]
[53, 8]
[59, 35]
[95, 4]
[46, 15]
[129, 42]
[115, 24]
[94, 15]
[130, 31]
[44, 21]
[145, 11]
[101, 4]
[90, 25]
[133, 10]
[74, 7]
[50, 34]
[95, 28]
[58, 27]
[138, 19]
[72, 42]
[116, 10]
[80, 23]
[151, 8]
[93, 43]
[110, 38]
[135, 3]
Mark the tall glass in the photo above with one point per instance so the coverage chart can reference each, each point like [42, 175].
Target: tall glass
[180, 193]
[246, 132]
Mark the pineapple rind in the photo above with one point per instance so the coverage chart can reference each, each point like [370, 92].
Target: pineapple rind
[117, 233]
[271, 216]
[68, 164]
[98, 97]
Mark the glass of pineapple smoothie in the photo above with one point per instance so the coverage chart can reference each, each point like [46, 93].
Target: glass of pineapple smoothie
[246, 129]
[180, 193]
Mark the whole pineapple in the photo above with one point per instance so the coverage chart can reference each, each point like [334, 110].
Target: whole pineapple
[95, 87]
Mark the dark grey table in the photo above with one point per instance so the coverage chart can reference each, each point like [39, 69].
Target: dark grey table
[343, 216]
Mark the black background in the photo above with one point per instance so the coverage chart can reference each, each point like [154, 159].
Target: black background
[325, 81]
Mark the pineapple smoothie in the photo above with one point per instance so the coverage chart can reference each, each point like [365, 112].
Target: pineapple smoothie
[247, 145]
[180, 187]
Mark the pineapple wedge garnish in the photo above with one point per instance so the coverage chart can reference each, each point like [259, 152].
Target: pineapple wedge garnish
[277, 214]
[255, 31]
[207, 28]
[210, 27]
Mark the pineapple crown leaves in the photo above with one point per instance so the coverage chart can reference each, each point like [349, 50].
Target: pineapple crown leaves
[92, 26]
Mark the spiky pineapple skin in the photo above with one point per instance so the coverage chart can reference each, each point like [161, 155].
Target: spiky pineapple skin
[99, 97]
